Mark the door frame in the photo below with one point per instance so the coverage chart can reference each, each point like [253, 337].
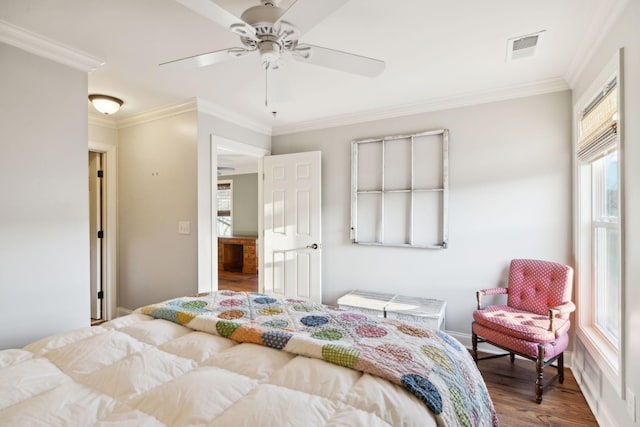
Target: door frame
[236, 147]
[110, 157]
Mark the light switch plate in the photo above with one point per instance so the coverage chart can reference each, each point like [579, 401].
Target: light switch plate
[631, 404]
[184, 227]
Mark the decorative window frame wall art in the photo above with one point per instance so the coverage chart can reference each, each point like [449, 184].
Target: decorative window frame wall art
[400, 190]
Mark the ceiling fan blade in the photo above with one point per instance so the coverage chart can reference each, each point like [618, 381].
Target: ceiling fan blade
[205, 59]
[219, 15]
[305, 14]
[339, 60]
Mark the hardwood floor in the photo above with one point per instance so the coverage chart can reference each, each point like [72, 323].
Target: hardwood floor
[237, 281]
[511, 387]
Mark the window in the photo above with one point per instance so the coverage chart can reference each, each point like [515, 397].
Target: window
[225, 204]
[606, 245]
[599, 223]
[598, 153]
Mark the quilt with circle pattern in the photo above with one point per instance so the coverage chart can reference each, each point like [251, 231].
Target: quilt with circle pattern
[429, 363]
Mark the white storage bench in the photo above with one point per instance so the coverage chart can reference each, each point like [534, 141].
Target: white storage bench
[426, 311]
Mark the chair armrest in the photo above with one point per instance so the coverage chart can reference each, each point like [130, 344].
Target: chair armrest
[490, 291]
[566, 308]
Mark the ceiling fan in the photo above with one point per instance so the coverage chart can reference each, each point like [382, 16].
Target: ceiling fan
[225, 169]
[274, 33]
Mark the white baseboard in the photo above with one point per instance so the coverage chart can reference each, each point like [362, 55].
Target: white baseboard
[121, 311]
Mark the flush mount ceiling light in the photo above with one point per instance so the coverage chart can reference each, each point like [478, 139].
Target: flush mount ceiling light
[105, 104]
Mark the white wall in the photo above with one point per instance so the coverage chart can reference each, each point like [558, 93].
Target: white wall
[510, 197]
[102, 133]
[44, 213]
[157, 188]
[245, 203]
[605, 402]
[165, 176]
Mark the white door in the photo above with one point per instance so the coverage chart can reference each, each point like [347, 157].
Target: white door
[292, 265]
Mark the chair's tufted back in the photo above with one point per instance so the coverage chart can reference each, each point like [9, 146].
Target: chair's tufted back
[535, 286]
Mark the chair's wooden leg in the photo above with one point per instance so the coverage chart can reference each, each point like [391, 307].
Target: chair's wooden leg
[474, 346]
[539, 376]
[561, 368]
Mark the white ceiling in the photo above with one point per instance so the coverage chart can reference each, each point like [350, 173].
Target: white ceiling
[434, 51]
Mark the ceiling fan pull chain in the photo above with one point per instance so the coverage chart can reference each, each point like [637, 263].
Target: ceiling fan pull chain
[266, 91]
[266, 86]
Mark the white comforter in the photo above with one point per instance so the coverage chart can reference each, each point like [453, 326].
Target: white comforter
[141, 371]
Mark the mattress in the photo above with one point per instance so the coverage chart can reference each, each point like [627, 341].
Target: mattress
[158, 369]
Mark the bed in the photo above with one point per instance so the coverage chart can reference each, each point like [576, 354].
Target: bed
[244, 359]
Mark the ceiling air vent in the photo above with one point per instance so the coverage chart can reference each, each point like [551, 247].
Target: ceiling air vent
[523, 46]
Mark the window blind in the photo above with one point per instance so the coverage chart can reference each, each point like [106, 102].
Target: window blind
[599, 126]
[224, 199]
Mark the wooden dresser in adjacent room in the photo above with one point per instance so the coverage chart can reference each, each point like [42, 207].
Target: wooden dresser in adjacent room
[238, 254]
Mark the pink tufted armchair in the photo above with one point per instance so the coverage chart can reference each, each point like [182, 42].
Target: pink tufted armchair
[535, 322]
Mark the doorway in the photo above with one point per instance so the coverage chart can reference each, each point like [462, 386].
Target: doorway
[307, 254]
[235, 230]
[237, 233]
[96, 236]
[109, 166]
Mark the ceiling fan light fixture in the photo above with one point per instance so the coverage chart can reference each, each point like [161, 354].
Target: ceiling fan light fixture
[269, 52]
[105, 104]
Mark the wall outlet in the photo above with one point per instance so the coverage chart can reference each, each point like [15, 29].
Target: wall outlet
[631, 405]
[184, 227]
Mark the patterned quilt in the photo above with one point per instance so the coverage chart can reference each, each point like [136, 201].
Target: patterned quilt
[429, 363]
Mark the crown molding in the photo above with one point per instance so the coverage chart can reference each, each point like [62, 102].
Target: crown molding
[456, 101]
[101, 121]
[215, 110]
[234, 147]
[47, 48]
[604, 18]
[194, 104]
[157, 114]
